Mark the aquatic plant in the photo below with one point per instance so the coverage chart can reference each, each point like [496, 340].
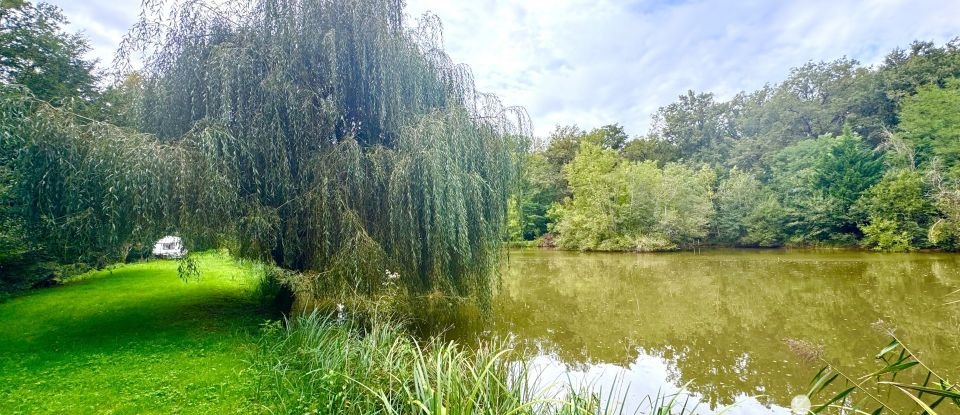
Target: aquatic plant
[871, 393]
[316, 364]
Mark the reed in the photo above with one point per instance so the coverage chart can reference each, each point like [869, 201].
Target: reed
[318, 364]
[880, 391]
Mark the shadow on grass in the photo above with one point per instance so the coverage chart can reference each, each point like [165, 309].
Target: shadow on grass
[141, 303]
[136, 339]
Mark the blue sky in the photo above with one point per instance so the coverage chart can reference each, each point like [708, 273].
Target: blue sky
[594, 62]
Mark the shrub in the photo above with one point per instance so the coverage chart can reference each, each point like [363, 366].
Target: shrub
[898, 212]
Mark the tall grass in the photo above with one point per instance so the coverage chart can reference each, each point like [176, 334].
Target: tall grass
[318, 364]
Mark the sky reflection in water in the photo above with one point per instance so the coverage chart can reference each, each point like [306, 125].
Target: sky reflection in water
[716, 319]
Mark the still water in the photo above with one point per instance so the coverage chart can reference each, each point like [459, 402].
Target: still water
[716, 320]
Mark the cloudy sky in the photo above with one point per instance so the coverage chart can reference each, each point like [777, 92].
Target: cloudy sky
[595, 62]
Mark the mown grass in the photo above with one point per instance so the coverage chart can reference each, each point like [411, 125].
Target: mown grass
[131, 340]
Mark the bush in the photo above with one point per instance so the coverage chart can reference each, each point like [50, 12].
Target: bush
[618, 205]
[22, 275]
[885, 235]
[765, 223]
[898, 212]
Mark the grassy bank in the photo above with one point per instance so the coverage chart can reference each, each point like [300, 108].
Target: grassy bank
[133, 340]
[139, 339]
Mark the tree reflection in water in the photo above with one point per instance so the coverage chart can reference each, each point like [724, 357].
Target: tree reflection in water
[715, 319]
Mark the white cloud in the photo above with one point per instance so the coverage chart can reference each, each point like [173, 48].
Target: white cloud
[104, 22]
[598, 62]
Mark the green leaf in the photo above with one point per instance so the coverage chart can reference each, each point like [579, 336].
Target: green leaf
[836, 398]
[818, 375]
[922, 404]
[893, 345]
[816, 378]
[926, 382]
[817, 388]
[933, 391]
[896, 367]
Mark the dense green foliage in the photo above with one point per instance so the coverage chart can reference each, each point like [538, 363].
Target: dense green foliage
[837, 154]
[931, 123]
[898, 211]
[336, 141]
[618, 204]
[738, 199]
[819, 181]
[36, 53]
[539, 185]
[328, 137]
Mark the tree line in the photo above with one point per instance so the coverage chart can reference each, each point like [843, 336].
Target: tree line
[338, 140]
[838, 154]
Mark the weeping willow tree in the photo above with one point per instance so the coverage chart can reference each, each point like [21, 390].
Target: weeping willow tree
[327, 136]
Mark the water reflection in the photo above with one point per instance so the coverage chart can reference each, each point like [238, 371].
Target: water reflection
[630, 387]
[717, 319]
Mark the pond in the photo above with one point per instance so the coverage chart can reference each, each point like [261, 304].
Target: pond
[716, 321]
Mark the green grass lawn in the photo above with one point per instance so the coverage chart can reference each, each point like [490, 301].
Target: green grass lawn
[135, 339]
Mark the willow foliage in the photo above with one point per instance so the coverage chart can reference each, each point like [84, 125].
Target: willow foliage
[325, 135]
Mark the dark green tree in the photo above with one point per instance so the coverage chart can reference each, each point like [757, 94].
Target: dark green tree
[766, 223]
[328, 137]
[37, 53]
[700, 128]
[541, 185]
[898, 212]
[819, 181]
[922, 63]
[563, 144]
[736, 198]
[651, 149]
[930, 122]
[49, 64]
[816, 99]
[611, 136]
